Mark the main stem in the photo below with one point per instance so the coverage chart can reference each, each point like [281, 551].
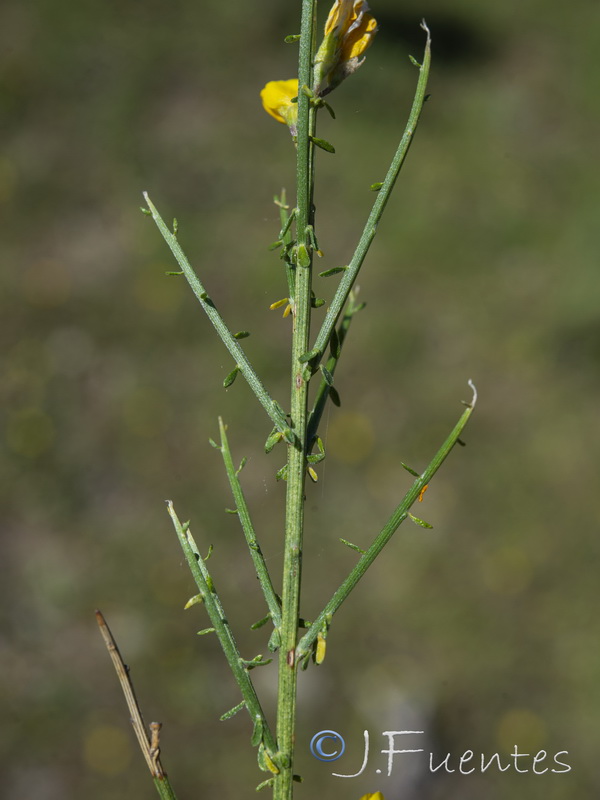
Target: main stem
[294, 523]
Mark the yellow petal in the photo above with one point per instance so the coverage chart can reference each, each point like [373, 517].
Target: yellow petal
[277, 101]
[339, 15]
[376, 796]
[360, 33]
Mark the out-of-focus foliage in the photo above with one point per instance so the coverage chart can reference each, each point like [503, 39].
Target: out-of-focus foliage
[482, 632]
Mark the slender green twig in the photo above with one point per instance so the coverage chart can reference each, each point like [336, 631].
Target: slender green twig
[243, 513]
[301, 309]
[149, 744]
[209, 597]
[231, 343]
[286, 239]
[325, 388]
[397, 518]
[383, 195]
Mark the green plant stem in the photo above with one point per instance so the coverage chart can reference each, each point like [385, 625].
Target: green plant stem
[244, 516]
[397, 518]
[301, 309]
[383, 195]
[284, 218]
[231, 343]
[219, 622]
[323, 391]
[164, 788]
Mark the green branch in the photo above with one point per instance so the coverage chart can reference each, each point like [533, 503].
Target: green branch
[214, 609]
[400, 514]
[326, 389]
[243, 513]
[272, 408]
[383, 196]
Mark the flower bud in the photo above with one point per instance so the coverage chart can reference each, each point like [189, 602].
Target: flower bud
[349, 31]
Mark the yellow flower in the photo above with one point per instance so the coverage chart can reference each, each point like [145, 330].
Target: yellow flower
[349, 31]
[376, 796]
[277, 101]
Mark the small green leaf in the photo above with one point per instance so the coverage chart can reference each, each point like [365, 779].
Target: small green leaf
[353, 546]
[281, 474]
[243, 463]
[307, 373]
[309, 355]
[293, 37]
[175, 226]
[174, 273]
[274, 438]
[257, 661]
[333, 271]
[414, 62]
[265, 762]
[334, 344]
[274, 641]
[328, 377]
[197, 598]
[323, 144]
[304, 662]
[410, 469]
[232, 711]
[231, 511]
[275, 245]
[214, 444]
[420, 522]
[335, 396]
[231, 377]
[257, 732]
[204, 631]
[317, 302]
[264, 784]
[256, 625]
[289, 436]
[302, 256]
[330, 109]
[375, 187]
[146, 211]
[241, 335]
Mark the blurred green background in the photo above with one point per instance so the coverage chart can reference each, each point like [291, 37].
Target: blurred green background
[482, 632]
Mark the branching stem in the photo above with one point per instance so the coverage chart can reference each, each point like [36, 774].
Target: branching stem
[370, 229]
[301, 308]
[392, 525]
